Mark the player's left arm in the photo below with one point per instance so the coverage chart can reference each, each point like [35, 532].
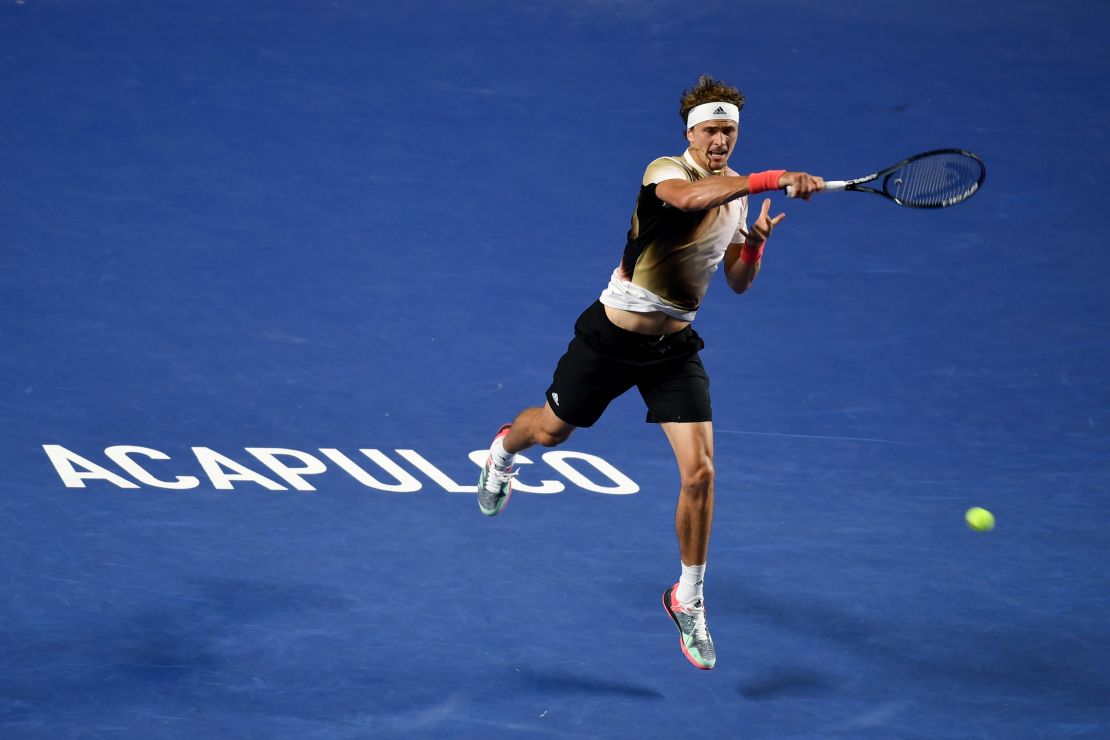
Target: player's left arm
[743, 258]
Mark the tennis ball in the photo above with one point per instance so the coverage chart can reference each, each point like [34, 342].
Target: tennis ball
[980, 520]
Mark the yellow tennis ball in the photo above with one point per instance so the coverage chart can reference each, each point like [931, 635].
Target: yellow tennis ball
[980, 520]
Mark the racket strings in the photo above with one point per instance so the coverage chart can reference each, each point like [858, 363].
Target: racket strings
[938, 180]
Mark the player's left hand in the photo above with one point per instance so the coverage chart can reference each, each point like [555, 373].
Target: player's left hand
[764, 225]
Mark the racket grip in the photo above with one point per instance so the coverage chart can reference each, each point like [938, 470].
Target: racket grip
[830, 185]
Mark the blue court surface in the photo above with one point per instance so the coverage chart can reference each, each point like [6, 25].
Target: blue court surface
[270, 273]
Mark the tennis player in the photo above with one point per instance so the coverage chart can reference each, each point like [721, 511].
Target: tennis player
[691, 216]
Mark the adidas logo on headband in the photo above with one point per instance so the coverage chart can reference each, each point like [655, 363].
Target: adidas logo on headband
[720, 111]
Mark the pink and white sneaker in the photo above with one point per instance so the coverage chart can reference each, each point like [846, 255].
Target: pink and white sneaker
[693, 633]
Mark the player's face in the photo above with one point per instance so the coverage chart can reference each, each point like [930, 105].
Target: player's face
[711, 143]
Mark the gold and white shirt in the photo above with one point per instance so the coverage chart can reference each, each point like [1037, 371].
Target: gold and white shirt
[670, 254]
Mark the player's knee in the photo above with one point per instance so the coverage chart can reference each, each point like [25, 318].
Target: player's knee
[697, 480]
[550, 437]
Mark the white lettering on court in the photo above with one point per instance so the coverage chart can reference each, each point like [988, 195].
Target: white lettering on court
[121, 455]
[65, 461]
[270, 457]
[588, 472]
[558, 460]
[215, 466]
[405, 482]
[438, 476]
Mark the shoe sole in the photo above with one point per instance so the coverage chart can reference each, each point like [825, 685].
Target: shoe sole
[681, 637]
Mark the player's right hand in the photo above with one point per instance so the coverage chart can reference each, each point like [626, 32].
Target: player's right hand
[801, 184]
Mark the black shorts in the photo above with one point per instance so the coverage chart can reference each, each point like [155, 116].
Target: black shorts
[603, 361]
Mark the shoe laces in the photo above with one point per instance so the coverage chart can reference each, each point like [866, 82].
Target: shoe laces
[497, 477]
[701, 630]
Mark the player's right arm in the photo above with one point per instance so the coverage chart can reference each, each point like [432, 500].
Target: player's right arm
[711, 192]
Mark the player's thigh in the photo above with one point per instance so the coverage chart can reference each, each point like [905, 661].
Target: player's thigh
[586, 379]
[677, 391]
[692, 443]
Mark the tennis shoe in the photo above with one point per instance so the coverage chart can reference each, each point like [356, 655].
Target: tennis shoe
[495, 485]
[693, 633]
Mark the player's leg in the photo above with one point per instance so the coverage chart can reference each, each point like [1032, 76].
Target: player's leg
[693, 448]
[586, 379]
[676, 390]
[532, 426]
[536, 426]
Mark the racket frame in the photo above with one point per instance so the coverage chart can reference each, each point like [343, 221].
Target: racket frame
[858, 183]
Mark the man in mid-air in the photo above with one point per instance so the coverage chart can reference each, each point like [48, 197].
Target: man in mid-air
[691, 216]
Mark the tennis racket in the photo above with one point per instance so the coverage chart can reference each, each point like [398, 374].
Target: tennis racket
[936, 179]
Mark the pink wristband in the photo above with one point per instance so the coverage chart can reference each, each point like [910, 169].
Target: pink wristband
[761, 182]
[750, 254]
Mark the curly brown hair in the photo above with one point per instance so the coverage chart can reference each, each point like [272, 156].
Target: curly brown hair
[708, 90]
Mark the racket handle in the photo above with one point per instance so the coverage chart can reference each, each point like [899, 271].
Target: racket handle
[830, 185]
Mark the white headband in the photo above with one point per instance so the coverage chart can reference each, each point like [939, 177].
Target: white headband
[712, 112]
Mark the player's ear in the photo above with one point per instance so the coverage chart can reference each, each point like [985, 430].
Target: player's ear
[690, 135]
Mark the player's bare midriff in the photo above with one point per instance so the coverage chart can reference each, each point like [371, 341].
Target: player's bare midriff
[652, 323]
